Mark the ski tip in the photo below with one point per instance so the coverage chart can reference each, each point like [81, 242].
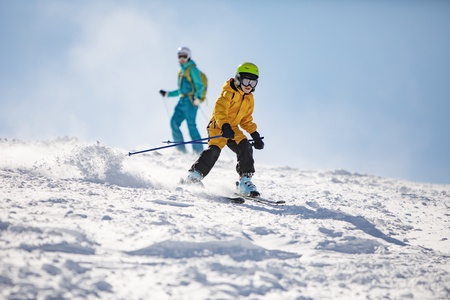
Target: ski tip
[255, 194]
[237, 200]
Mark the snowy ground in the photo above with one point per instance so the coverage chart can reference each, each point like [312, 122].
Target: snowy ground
[83, 220]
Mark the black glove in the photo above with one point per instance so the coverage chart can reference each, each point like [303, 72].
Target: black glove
[227, 132]
[257, 141]
[163, 93]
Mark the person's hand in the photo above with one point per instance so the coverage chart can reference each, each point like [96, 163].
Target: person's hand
[257, 141]
[227, 132]
[163, 93]
[196, 102]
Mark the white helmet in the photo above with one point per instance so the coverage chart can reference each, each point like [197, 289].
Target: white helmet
[185, 51]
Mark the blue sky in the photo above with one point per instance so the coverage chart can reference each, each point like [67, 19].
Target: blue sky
[357, 85]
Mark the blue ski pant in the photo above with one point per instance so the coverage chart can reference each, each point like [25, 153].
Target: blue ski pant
[185, 110]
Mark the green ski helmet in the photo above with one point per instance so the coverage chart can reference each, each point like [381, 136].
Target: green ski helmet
[246, 70]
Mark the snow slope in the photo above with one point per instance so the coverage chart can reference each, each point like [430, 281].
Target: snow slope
[81, 220]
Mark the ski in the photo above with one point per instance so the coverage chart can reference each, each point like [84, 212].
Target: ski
[236, 200]
[262, 200]
[256, 196]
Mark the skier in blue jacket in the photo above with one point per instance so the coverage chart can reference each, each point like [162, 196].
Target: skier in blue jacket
[190, 90]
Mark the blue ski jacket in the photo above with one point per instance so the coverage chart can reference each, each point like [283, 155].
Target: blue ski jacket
[185, 88]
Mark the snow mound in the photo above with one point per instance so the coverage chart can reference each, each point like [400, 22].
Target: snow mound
[68, 158]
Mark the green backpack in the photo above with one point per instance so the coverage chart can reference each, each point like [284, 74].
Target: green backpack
[187, 74]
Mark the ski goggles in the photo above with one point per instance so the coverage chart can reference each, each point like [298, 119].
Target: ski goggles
[182, 56]
[249, 82]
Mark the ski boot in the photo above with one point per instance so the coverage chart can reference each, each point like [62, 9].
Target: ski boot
[194, 178]
[246, 186]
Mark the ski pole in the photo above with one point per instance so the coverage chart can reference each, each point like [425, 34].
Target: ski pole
[203, 113]
[165, 105]
[175, 144]
[200, 141]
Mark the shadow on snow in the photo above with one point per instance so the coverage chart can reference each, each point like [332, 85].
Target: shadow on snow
[327, 214]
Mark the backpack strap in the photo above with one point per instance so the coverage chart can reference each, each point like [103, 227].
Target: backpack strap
[187, 74]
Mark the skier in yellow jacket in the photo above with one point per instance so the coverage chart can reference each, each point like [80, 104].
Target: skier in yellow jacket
[232, 112]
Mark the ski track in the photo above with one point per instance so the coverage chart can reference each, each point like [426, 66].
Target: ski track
[83, 220]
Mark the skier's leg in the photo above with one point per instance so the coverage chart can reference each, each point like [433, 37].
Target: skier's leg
[245, 167]
[191, 115]
[208, 158]
[175, 123]
[244, 152]
[206, 161]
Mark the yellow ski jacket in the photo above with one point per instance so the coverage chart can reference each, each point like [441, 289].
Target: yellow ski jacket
[235, 107]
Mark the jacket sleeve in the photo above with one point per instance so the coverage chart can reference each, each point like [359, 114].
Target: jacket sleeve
[197, 81]
[221, 108]
[247, 121]
[174, 93]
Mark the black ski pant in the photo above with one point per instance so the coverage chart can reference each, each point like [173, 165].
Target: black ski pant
[244, 153]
